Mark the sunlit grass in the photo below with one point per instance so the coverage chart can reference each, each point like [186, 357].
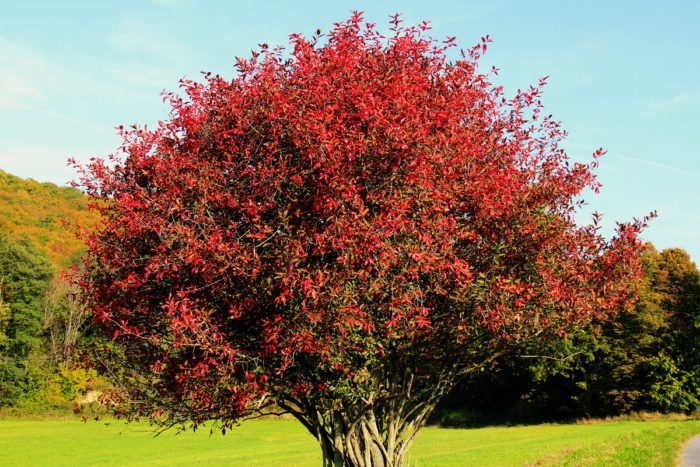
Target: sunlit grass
[285, 443]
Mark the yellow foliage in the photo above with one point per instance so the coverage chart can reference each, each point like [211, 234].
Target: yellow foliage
[69, 385]
[39, 210]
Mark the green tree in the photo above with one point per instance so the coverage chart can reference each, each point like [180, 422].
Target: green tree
[645, 359]
[24, 274]
[678, 287]
[651, 359]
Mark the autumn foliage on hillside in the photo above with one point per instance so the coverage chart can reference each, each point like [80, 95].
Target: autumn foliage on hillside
[40, 211]
[40, 322]
[344, 230]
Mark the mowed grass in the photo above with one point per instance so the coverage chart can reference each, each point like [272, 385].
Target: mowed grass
[285, 443]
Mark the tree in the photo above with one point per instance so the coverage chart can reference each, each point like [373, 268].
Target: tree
[644, 359]
[671, 367]
[24, 275]
[344, 232]
[64, 321]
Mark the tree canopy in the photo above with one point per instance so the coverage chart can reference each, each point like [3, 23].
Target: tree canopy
[343, 230]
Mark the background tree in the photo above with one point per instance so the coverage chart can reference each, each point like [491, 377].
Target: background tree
[642, 360]
[344, 232]
[36, 307]
[64, 321]
[672, 367]
[24, 275]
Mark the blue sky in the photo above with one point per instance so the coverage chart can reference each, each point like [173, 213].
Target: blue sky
[624, 76]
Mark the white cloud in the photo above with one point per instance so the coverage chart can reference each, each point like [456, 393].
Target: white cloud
[681, 102]
[76, 121]
[476, 11]
[172, 3]
[143, 74]
[133, 36]
[30, 82]
[15, 92]
[42, 163]
[656, 164]
[19, 67]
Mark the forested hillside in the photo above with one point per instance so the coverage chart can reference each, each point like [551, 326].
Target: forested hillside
[37, 210]
[39, 320]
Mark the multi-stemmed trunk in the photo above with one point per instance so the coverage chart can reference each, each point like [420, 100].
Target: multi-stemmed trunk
[375, 431]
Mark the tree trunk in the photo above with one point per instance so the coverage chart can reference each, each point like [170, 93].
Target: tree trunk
[373, 432]
[366, 442]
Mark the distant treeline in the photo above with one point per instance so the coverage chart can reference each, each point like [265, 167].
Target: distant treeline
[645, 359]
[40, 323]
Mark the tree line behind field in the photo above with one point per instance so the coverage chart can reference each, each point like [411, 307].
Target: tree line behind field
[40, 323]
[645, 359]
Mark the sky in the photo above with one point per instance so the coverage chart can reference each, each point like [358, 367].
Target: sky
[624, 76]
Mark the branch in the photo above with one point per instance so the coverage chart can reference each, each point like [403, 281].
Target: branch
[264, 414]
[552, 358]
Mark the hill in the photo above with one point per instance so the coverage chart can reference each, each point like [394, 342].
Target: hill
[37, 210]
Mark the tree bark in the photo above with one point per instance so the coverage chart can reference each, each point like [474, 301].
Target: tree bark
[371, 432]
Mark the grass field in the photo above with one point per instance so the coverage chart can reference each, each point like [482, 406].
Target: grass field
[285, 443]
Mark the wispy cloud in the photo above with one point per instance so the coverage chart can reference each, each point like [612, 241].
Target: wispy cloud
[15, 92]
[142, 74]
[476, 11]
[76, 121]
[682, 100]
[171, 3]
[584, 160]
[136, 37]
[28, 81]
[29, 74]
[43, 163]
[656, 164]
[19, 68]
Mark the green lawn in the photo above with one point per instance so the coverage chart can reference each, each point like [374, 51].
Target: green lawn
[285, 443]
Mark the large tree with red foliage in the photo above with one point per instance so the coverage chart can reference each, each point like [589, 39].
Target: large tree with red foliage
[343, 230]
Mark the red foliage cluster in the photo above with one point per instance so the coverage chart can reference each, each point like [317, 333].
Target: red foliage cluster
[354, 207]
